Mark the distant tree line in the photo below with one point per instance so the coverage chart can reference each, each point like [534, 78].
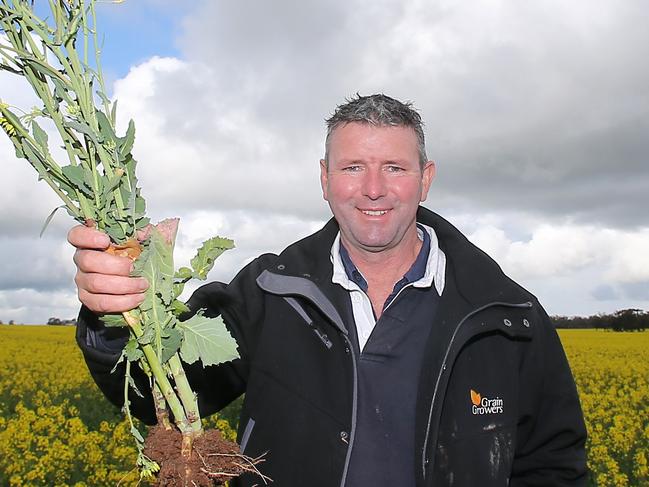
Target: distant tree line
[58, 322]
[52, 321]
[622, 320]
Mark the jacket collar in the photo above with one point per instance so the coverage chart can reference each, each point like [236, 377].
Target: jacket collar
[477, 278]
[428, 269]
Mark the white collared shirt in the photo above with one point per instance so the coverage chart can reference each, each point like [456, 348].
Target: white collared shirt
[361, 305]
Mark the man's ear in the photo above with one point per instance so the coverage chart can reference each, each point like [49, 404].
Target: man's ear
[428, 174]
[324, 178]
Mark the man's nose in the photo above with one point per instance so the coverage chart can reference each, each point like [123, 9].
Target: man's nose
[374, 184]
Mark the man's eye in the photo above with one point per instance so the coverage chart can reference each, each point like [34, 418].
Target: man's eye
[394, 168]
[352, 168]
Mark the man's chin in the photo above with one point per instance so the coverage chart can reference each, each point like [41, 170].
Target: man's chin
[375, 246]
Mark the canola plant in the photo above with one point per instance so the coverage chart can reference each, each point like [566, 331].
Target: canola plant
[57, 429]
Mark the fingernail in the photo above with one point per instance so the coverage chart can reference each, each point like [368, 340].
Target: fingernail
[144, 284]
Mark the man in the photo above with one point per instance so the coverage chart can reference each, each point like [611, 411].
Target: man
[383, 350]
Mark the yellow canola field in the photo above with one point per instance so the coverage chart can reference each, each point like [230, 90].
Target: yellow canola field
[612, 374]
[56, 429]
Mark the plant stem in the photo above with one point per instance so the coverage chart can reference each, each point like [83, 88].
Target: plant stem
[159, 376]
[100, 76]
[187, 396]
[161, 411]
[127, 409]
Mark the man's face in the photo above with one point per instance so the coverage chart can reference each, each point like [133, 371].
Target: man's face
[374, 184]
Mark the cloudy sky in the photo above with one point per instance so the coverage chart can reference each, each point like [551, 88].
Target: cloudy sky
[537, 115]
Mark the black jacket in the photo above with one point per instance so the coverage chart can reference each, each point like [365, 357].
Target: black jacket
[497, 404]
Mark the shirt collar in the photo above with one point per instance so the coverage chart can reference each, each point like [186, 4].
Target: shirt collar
[429, 266]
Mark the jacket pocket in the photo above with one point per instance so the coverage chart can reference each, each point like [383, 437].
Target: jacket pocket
[246, 434]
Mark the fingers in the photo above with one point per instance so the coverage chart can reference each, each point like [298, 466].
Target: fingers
[106, 284]
[110, 303]
[104, 293]
[93, 261]
[83, 237]
[103, 280]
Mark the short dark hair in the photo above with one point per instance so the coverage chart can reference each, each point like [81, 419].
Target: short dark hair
[380, 110]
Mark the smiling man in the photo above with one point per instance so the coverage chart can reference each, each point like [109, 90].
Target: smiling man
[383, 350]
[374, 178]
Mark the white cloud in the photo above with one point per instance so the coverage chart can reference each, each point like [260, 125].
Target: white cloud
[629, 256]
[575, 269]
[198, 149]
[536, 114]
[560, 250]
[32, 307]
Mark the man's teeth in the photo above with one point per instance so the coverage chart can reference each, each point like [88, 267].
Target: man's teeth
[375, 212]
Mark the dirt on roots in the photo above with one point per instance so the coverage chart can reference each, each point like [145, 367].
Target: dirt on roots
[214, 460]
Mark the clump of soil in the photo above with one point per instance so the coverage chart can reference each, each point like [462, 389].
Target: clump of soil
[214, 460]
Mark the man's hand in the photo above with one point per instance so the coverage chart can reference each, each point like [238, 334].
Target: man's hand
[103, 281]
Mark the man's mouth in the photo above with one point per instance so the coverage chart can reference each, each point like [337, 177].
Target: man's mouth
[374, 212]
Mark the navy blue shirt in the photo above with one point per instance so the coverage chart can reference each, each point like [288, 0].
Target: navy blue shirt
[388, 370]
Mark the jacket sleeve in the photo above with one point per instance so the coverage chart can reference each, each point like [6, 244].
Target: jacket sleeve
[240, 303]
[551, 431]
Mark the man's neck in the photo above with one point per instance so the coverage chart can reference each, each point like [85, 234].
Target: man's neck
[382, 270]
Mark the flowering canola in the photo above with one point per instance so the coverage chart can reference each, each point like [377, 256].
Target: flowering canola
[56, 428]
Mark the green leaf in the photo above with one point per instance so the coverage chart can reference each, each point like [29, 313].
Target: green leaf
[131, 204]
[121, 358]
[136, 434]
[207, 339]
[132, 351]
[183, 273]
[19, 151]
[140, 206]
[156, 264]
[179, 307]
[43, 68]
[102, 96]
[112, 320]
[115, 231]
[127, 141]
[106, 129]
[35, 158]
[133, 386]
[61, 92]
[204, 260]
[82, 128]
[110, 184]
[147, 337]
[76, 175]
[49, 219]
[142, 222]
[40, 136]
[171, 340]
[113, 112]
[179, 287]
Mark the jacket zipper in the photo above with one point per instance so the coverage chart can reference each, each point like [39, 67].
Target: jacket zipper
[273, 283]
[352, 433]
[424, 460]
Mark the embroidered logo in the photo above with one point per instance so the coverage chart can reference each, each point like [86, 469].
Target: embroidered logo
[484, 405]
